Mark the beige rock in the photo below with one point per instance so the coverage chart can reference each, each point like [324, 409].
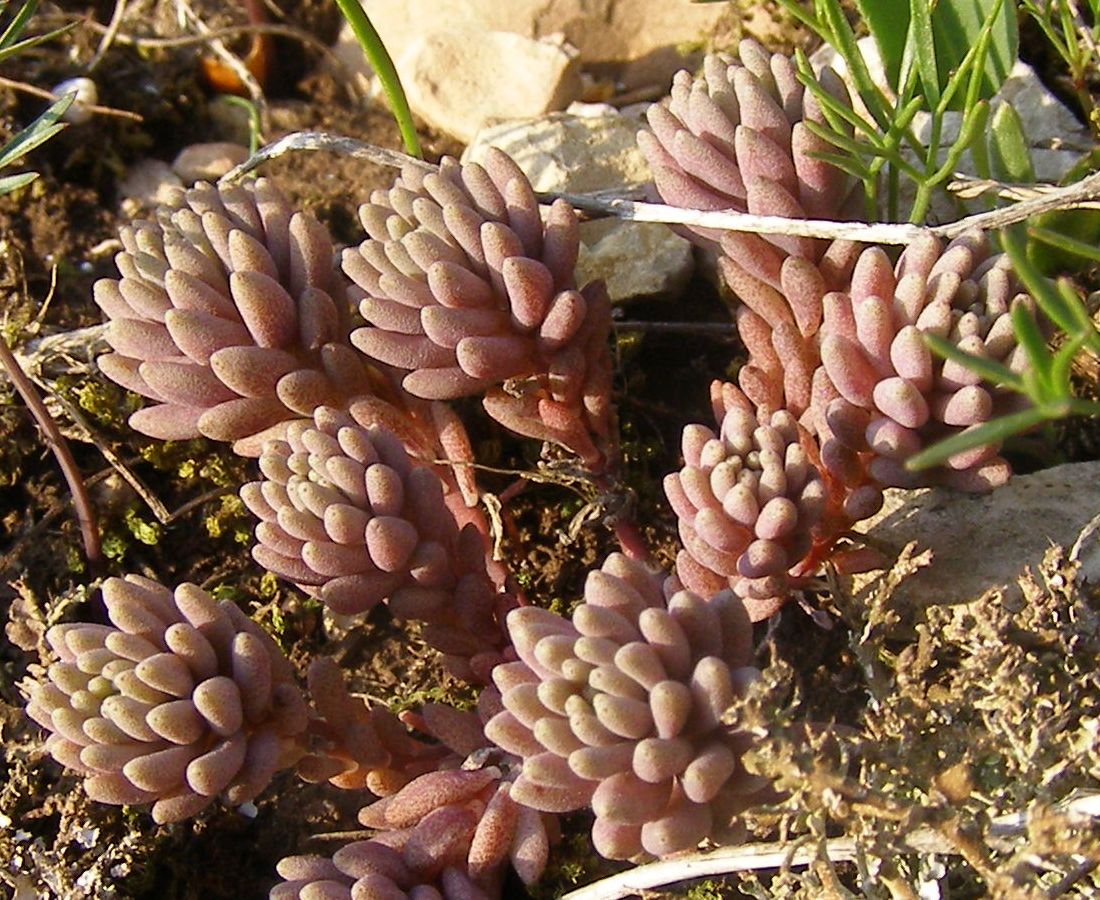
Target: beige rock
[208, 162]
[587, 149]
[637, 260]
[983, 541]
[640, 41]
[458, 81]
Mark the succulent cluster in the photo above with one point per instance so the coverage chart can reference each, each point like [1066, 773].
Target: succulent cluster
[231, 317]
[749, 501]
[892, 396]
[465, 287]
[736, 138]
[621, 709]
[833, 332]
[181, 700]
[347, 514]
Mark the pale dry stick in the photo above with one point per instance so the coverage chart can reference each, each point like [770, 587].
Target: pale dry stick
[1077, 194]
[321, 140]
[49, 95]
[1082, 806]
[255, 92]
[108, 36]
[968, 187]
[1080, 193]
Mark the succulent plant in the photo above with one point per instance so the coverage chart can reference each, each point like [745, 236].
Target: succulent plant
[890, 396]
[446, 824]
[621, 709]
[348, 515]
[735, 138]
[751, 502]
[230, 315]
[179, 701]
[355, 745]
[465, 288]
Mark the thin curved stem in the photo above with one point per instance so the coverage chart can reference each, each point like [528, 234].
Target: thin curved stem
[82, 505]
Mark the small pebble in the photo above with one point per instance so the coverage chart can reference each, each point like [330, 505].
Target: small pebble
[208, 162]
[87, 94]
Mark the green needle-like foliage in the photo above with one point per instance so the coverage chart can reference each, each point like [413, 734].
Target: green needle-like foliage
[1047, 383]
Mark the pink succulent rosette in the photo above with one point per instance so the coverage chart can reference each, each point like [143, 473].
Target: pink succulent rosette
[179, 701]
[230, 316]
[467, 289]
[885, 395]
[735, 138]
[347, 514]
[620, 708]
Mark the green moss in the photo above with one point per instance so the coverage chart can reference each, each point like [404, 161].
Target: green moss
[229, 518]
[114, 547]
[710, 890]
[147, 532]
[106, 404]
[269, 587]
[451, 693]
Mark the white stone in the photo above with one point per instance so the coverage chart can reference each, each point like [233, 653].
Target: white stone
[208, 162]
[981, 542]
[642, 42]
[459, 81]
[85, 94]
[592, 148]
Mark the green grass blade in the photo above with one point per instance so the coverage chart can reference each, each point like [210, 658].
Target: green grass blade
[1060, 305]
[958, 26]
[18, 23]
[991, 432]
[924, 50]
[991, 370]
[973, 126]
[1064, 242]
[1062, 363]
[380, 61]
[10, 45]
[1031, 339]
[11, 183]
[38, 132]
[833, 107]
[795, 10]
[887, 20]
[843, 40]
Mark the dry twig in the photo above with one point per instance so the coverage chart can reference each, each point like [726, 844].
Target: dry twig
[1083, 192]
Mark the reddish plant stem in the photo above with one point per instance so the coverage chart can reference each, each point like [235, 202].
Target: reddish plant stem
[85, 515]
